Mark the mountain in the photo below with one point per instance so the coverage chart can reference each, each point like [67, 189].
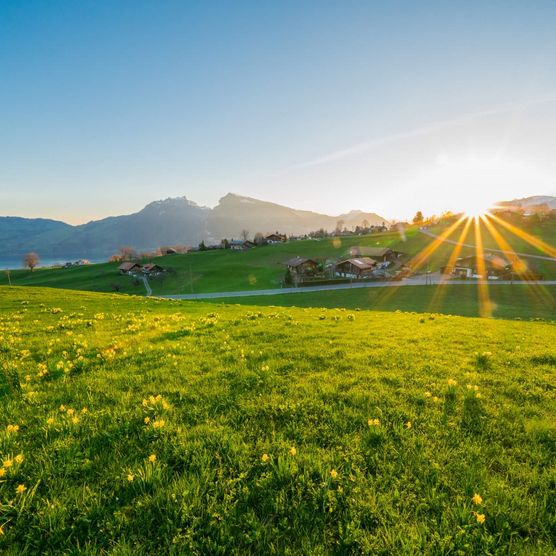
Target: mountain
[235, 213]
[531, 202]
[176, 221]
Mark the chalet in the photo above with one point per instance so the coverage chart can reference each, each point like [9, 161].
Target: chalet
[276, 238]
[129, 268]
[301, 265]
[495, 266]
[241, 244]
[379, 254]
[152, 269]
[360, 267]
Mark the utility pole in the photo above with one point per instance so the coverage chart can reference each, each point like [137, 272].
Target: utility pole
[9, 277]
[191, 278]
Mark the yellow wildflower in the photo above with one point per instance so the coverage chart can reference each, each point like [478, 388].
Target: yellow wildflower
[50, 421]
[20, 489]
[62, 408]
[408, 425]
[8, 463]
[265, 458]
[2, 533]
[70, 411]
[147, 420]
[10, 429]
[152, 458]
[293, 451]
[477, 499]
[451, 382]
[19, 458]
[2, 472]
[130, 477]
[374, 422]
[159, 423]
[333, 473]
[480, 518]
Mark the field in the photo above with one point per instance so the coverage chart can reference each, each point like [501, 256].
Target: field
[143, 426]
[519, 300]
[263, 267]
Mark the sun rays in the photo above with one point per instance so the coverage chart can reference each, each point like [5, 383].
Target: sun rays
[485, 238]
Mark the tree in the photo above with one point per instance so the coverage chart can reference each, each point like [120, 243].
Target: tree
[245, 234]
[365, 224]
[127, 253]
[259, 239]
[202, 246]
[31, 260]
[225, 243]
[418, 218]
[339, 226]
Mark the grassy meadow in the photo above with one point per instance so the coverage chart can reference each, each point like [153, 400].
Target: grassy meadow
[145, 426]
[512, 301]
[263, 267]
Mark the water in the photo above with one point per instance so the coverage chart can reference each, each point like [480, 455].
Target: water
[17, 262]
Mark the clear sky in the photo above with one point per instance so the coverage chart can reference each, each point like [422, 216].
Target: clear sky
[324, 105]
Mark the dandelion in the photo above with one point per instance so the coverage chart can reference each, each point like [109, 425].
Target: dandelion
[63, 408]
[75, 420]
[130, 477]
[477, 499]
[20, 489]
[293, 451]
[452, 382]
[147, 420]
[50, 421]
[70, 411]
[2, 472]
[19, 458]
[265, 458]
[2, 532]
[480, 518]
[7, 463]
[152, 458]
[159, 423]
[333, 473]
[374, 422]
[427, 394]
[408, 425]
[12, 429]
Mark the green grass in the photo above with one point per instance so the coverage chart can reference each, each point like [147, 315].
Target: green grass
[237, 383]
[260, 268]
[508, 301]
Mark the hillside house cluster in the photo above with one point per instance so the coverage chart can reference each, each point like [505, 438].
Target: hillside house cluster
[492, 266]
[133, 268]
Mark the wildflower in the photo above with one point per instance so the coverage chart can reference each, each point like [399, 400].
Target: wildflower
[7, 463]
[147, 420]
[20, 489]
[62, 408]
[333, 473]
[478, 395]
[477, 499]
[374, 422]
[452, 382]
[152, 458]
[75, 420]
[480, 518]
[2, 472]
[293, 451]
[408, 425]
[130, 477]
[11, 429]
[159, 423]
[427, 394]
[50, 421]
[85, 410]
[2, 533]
[265, 458]
[19, 458]
[70, 411]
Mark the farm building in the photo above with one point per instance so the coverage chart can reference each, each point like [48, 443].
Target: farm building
[495, 266]
[276, 238]
[361, 267]
[241, 244]
[152, 269]
[379, 254]
[301, 265]
[129, 268]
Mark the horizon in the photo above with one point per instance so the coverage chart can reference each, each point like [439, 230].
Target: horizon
[321, 108]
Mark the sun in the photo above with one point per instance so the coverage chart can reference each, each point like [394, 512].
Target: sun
[477, 209]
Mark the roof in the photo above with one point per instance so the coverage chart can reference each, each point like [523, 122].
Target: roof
[362, 263]
[365, 251]
[492, 258]
[128, 266]
[151, 266]
[298, 261]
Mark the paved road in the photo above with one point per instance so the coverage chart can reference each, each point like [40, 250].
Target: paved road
[147, 285]
[522, 255]
[433, 279]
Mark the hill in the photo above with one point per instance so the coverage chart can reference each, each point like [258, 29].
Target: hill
[151, 427]
[177, 221]
[535, 201]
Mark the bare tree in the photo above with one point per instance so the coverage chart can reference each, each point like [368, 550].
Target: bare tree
[31, 260]
[128, 253]
[245, 234]
[259, 239]
[365, 223]
[339, 225]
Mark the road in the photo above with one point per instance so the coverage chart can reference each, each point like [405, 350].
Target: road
[522, 255]
[432, 279]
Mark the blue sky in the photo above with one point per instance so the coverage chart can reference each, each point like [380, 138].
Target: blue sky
[382, 106]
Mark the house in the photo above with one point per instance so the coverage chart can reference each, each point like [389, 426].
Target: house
[495, 266]
[360, 267]
[241, 244]
[301, 265]
[152, 269]
[170, 251]
[380, 254]
[276, 238]
[129, 268]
